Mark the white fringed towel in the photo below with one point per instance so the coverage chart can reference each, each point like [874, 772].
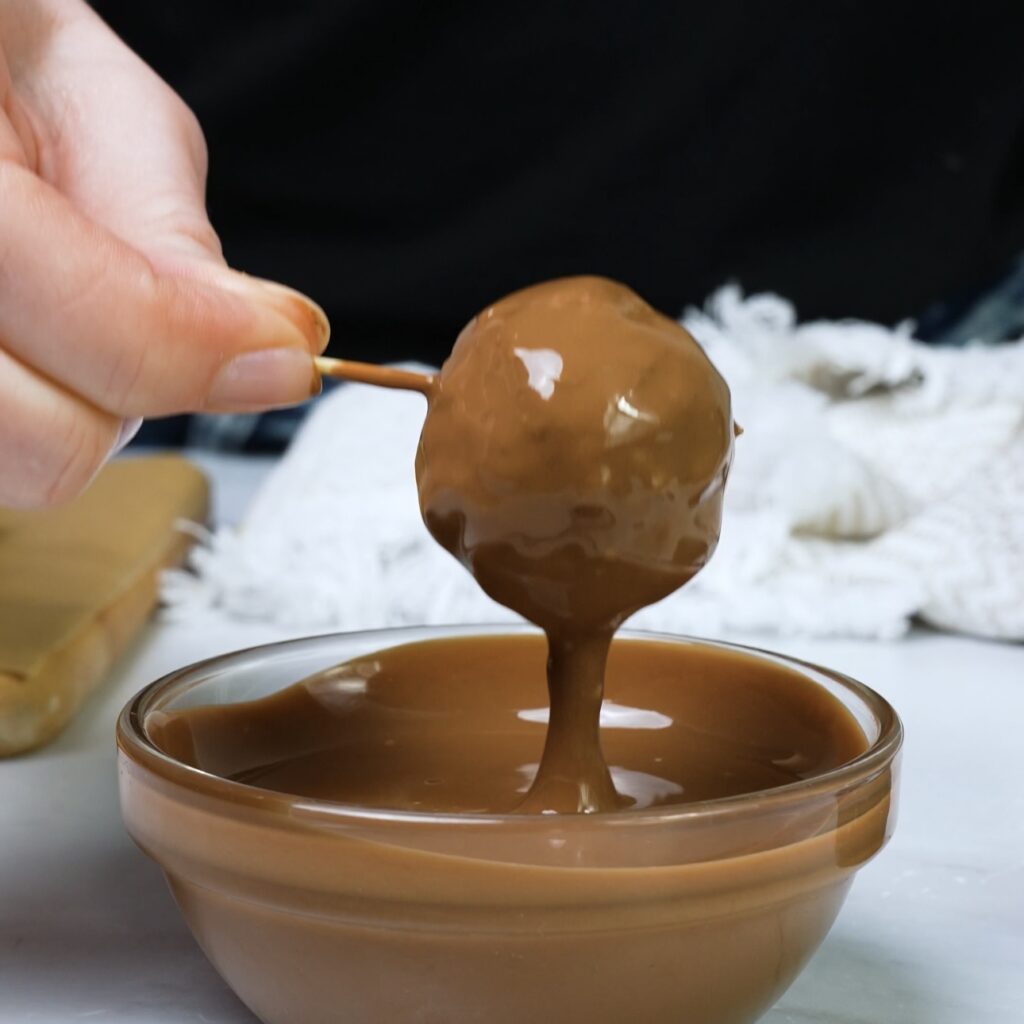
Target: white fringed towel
[878, 479]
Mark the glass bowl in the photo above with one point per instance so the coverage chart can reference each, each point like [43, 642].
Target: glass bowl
[315, 911]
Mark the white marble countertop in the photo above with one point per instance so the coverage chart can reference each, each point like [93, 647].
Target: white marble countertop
[933, 931]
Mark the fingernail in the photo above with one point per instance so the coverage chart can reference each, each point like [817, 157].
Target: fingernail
[129, 428]
[300, 310]
[311, 317]
[260, 380]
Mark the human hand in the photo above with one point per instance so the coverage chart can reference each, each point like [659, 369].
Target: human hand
[115, 301]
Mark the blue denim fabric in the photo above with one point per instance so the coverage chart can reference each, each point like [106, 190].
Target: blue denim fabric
[983, 318]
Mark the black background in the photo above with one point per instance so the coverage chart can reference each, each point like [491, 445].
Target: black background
[406, 163]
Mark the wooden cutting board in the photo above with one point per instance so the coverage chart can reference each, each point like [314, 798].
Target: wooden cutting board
[78, 582]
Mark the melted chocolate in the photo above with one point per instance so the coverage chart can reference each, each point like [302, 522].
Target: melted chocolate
[392, 729]
[573, 458]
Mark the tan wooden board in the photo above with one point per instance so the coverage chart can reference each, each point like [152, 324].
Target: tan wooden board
[78, 582]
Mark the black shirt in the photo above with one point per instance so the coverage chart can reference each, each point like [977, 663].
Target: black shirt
[406, 163]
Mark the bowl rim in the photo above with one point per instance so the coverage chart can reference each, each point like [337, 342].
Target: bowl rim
[134, 744]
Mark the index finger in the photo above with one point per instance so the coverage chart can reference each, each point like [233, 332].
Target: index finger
[88, 310]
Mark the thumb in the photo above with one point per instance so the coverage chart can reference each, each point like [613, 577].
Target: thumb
[138, 336]
[125, 203]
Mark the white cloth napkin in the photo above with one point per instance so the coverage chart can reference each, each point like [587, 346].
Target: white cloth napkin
[877, 479]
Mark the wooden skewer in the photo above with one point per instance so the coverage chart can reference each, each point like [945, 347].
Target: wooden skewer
[369, 373]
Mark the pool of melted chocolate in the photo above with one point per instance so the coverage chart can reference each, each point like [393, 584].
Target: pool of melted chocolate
[458, 725]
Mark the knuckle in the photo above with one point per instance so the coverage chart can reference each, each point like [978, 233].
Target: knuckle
[51, 443]
[71, 463]
[192, 134]
[160, 367]
[200, 233]
[126, 376]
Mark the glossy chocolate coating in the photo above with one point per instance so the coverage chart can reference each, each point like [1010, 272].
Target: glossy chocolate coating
[573, 458]
[574, 454]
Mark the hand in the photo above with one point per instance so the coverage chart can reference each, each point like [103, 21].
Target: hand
[115, 301]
